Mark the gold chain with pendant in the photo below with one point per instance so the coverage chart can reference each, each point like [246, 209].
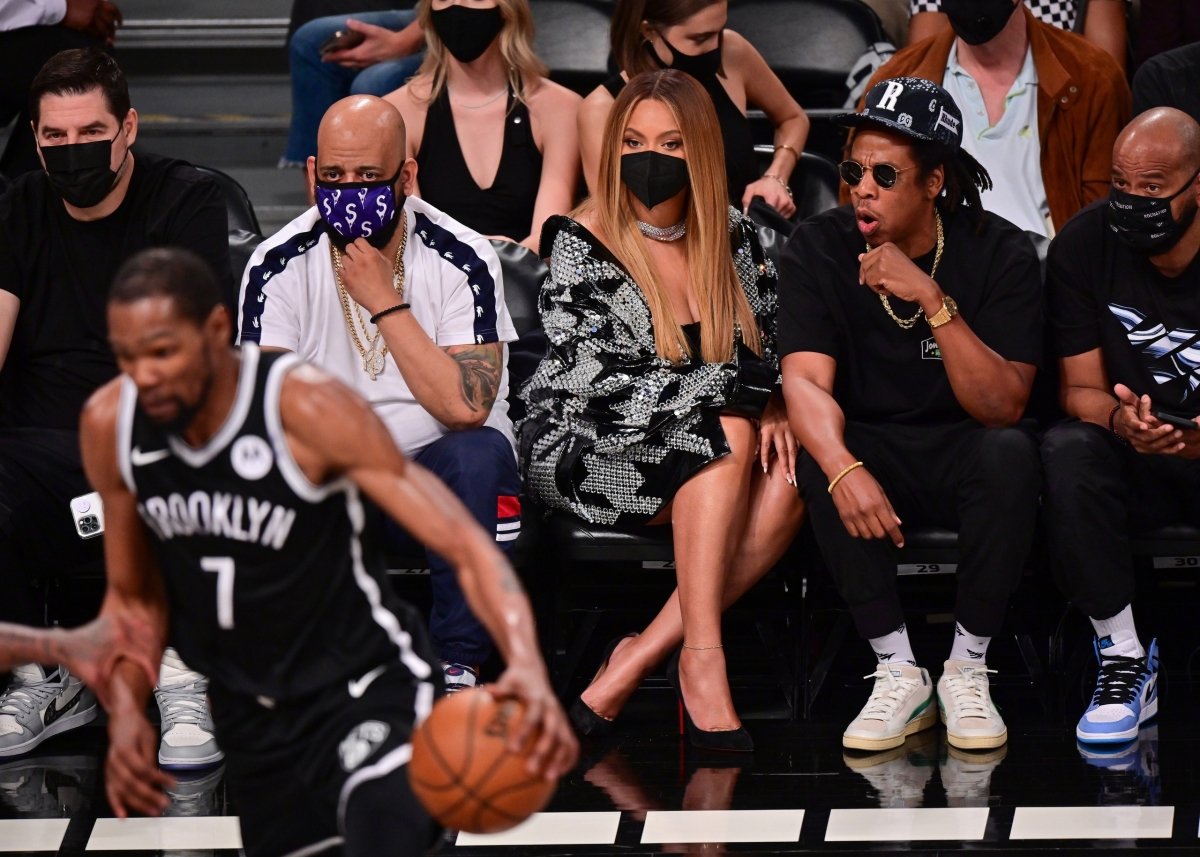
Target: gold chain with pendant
[373, 353]
[907, 323]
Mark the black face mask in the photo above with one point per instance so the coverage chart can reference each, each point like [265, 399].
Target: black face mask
[978, 21]
[653, 177]
[1146, 224]
[699, 66]
[80, 172]
[466, 33]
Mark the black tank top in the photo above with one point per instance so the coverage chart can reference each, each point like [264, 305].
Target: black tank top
[505, 208]
[735, 134]
[273, 590]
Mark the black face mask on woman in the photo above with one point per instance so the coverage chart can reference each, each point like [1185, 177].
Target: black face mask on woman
[1146, 224]
[978, 21]
[80, 172]
[699, 66]
[653, 177]
[466, 33]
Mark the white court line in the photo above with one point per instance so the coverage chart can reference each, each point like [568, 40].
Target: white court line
[32, 834]
[1092, 822]
[907, 825]
[744, 825]
[553, 828]
[157, 834]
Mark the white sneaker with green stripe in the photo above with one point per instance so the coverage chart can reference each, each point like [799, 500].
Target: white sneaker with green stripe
[901, 704]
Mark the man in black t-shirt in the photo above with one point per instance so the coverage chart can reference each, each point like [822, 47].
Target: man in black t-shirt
[1124, 296]
[63, 234]
[910, 329]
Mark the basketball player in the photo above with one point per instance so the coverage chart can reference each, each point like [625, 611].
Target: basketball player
[235, 488]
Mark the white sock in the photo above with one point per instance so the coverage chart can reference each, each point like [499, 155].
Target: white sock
[967, 646]
[894, 648]
[1118, 635]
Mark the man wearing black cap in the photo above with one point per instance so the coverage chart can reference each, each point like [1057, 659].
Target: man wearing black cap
[1041, 106]
[910, 324]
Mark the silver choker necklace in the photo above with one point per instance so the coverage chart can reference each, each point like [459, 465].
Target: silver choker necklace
[663, 233]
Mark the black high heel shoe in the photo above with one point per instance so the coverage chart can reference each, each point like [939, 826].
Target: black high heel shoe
[586, 721]
[721, 740]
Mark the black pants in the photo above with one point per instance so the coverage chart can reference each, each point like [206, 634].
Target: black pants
[983, 482]
[330, 771]
[23, 52]
[40, 471]
[1098, 491]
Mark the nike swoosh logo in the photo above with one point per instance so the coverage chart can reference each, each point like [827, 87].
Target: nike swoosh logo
[359, 686]
[140, 459]
[56, 710]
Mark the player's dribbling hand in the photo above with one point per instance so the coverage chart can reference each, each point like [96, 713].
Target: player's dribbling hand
[133, 781]
[556, 749]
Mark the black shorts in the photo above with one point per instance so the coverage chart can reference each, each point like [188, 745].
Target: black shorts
[327, 774]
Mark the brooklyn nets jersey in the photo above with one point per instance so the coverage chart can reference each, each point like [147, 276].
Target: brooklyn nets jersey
[272, 591]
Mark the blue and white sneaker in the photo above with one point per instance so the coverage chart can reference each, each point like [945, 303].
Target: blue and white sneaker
[1126, 695]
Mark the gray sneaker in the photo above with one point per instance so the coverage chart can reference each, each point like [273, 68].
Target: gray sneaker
[41, 703]
[459, 676]
[187, 740]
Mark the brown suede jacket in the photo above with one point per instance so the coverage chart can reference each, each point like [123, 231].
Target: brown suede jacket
[1083, 102]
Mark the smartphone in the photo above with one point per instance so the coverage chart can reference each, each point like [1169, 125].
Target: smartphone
[1177, 420]
[343, 40]
[88, 512]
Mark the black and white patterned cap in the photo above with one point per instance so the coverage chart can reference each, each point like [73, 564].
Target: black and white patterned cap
[911, 106]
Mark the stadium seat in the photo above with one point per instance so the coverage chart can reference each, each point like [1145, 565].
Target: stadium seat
[814, 182]
[245, 234]
[571, 37]
[810, 44]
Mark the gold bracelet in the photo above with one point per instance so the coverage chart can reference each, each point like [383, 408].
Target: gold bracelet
[842, 475]
[791, 149]
[782, 183]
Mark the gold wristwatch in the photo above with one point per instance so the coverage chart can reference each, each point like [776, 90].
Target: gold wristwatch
[948, 311]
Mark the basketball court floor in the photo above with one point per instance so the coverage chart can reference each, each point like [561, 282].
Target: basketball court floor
[643, 791]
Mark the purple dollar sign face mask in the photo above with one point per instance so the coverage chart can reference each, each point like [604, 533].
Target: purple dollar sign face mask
[352, 210]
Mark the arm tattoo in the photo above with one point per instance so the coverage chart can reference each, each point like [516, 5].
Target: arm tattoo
[479, 366]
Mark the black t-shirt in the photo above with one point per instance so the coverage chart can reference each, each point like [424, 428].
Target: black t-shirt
[1171, 79]
[61, 269]
[886, 373]
[1147, 326]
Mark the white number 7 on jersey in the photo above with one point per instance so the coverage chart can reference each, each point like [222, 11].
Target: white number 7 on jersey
[223, 567]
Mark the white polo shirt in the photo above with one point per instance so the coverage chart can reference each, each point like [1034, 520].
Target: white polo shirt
[289, 299]
[1010, 150]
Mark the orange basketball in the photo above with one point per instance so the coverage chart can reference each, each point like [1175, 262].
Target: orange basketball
[462, 770]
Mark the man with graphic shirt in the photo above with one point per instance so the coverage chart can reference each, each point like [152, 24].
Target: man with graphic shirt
[1123, 280]
[910, 331]
[64, 231]
[406, 306]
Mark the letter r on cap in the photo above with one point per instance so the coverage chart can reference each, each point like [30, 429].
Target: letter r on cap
[893, 91]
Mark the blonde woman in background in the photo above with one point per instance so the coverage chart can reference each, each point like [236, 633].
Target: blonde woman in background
[494, 139]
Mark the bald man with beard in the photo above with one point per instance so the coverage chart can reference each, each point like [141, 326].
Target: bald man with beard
[1124, 292]
[405, 305]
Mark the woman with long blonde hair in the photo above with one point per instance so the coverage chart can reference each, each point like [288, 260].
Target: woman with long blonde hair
[495, 140]
[658, 400]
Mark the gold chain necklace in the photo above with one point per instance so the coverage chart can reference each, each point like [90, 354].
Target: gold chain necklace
[374, 353]
[907, 323]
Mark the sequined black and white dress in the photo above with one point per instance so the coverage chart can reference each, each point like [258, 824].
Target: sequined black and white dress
[612, 429]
